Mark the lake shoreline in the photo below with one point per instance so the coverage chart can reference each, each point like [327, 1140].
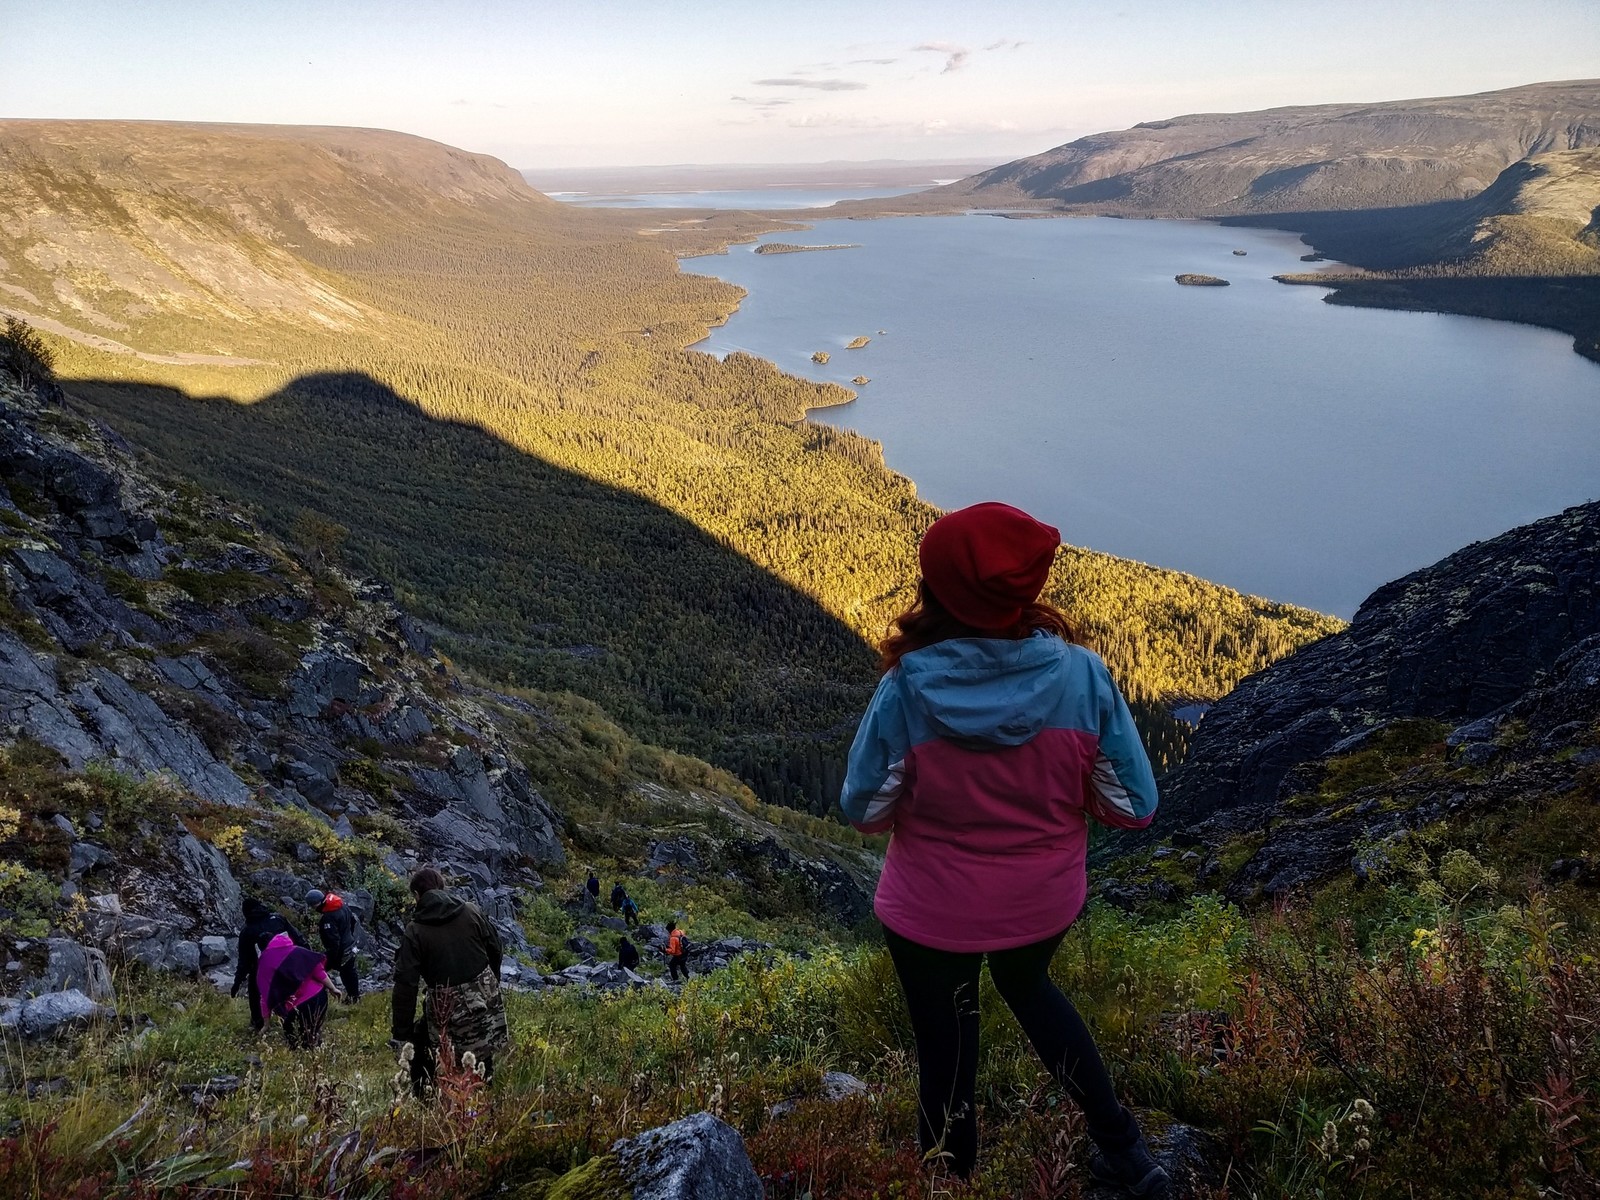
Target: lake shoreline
[785, 333]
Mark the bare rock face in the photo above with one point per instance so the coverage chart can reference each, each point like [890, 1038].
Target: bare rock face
[697, 1158]
[157, 633]
[1452, 642]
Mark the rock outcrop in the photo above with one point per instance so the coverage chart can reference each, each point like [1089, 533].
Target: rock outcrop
[1469, 686]
[159, 638]
[1451, 642]
[697, 1158]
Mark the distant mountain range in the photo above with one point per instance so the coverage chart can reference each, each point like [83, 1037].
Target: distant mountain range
[1316, 157]
[1487, 205]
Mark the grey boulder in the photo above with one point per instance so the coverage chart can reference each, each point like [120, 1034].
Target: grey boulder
[74, 967]
[57, 1013]
[697, 1158]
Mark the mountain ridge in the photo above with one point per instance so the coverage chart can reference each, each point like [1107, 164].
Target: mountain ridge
[1325, 157]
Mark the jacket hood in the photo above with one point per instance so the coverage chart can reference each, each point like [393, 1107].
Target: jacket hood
[254, 910]
[986, 692]
[438, 906]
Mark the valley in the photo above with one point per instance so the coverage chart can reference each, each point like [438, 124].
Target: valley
[362, 508]
[536, 356]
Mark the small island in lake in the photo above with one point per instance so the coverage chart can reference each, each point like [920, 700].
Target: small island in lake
[791, 248]
[1201, 281]
[856, 343]
[860, 379]
[820, 357]
[1240, 253]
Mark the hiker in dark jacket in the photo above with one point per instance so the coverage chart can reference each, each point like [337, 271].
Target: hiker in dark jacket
[339, 929]
[618, 895]
[593, 885]
[452, 947]
[630, 912]
[261, 925]
[627, 953]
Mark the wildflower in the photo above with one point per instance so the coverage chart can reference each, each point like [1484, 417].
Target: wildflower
[469, 1060]
[1363, 1145]
[1363, 1109]
[1329, 1145]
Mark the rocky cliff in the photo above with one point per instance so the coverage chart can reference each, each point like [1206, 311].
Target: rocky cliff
[1468, 685]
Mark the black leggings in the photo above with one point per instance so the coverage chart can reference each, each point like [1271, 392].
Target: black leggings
[941, 989]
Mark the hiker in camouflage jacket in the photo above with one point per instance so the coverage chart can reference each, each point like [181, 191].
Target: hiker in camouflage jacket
[454, 948]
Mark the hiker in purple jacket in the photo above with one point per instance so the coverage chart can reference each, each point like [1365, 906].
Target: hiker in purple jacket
[294, 987]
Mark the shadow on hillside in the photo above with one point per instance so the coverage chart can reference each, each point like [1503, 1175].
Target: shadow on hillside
[533, 574]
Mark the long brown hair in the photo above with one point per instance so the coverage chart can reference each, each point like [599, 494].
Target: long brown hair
[927, 622]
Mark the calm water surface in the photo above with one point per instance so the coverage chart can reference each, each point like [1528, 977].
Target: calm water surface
[757, 198]
[1251, 434]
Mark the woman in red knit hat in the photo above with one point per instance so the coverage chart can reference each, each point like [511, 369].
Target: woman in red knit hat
[992, 738]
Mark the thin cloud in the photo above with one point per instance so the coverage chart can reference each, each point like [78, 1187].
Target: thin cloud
[763, 102]
[871, 62]
[955, 56]
[1006, 44]
[820, 85]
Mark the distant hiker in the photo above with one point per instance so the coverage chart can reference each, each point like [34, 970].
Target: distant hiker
[339, 929]
[618, 895]
[677, 952]
[627, 953]
[452, 947]
[630, 912]
[992, 738]
[261, 925]
[593, 885]
[294, 985]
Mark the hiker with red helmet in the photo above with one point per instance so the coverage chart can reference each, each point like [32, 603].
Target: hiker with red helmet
[992, 737]
[341, 932]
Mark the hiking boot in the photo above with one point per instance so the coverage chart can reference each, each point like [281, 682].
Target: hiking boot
[1133, 1169]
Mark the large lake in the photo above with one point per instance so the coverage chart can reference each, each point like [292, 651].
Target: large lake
[1251, 434]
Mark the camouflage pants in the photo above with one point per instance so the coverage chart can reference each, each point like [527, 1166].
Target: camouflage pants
[473, 1014]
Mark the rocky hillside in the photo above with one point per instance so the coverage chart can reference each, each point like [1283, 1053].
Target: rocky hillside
[191, 711]
[1468, 687]
[114, 229]
[1536, 219]
[1300, 159]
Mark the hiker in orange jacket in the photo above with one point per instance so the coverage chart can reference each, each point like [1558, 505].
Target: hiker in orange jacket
[677, 952]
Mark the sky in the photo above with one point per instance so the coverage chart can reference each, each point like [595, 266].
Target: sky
[633, 82]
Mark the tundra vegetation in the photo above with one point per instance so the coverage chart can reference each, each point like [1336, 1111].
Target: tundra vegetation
[1428, 1033]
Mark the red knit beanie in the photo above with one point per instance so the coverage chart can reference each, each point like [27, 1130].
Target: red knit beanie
[986, 562]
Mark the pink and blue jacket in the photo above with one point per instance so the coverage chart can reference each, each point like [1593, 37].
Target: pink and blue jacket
[985, 757]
